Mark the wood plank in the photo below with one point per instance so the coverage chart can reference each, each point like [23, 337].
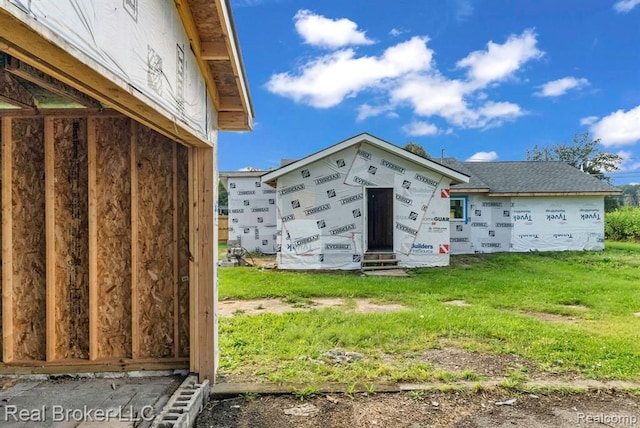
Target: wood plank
[33, 75]
[231, 104]
[176, 274]
[204, 199]
[135, 333]
[232, 121]
[93, 239]
[13, 93]
[214, 51]
[50, 236]
[63, 112]
[194, 356]
[7, 241]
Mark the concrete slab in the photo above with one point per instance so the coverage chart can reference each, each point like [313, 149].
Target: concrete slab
[85, 402]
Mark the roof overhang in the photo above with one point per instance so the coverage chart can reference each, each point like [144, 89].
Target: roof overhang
[271, 178]
[224, 176]
[211, 30]
[606, 193]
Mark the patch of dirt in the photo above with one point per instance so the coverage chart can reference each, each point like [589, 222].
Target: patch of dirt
[636, 314]
[491, 365]
[229, 308]
[558, 318]
[425, 409]
[576, 307]
[456, 303]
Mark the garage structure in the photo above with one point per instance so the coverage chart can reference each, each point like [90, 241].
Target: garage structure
[109, 120]
[361, 199]
[526, 206]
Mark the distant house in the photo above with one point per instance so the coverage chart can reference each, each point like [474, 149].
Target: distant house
[359, 197]
[252, 210]
[525, 206]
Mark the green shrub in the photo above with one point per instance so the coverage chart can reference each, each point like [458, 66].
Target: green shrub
[623, 224]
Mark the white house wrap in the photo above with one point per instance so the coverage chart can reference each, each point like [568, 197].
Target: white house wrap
[526, 206]
[252, 211]
[362, 195]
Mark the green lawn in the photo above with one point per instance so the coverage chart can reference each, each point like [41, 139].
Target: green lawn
[500, 289]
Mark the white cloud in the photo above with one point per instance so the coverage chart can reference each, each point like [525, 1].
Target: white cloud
[395, 32]
[620, 128]
[464, 9]
[624, 6]
[589, 120]
[555, 88]
[628, 161]
[420, 129]
[500, 61]
[366, 111]
[326, 81]
[483, 157]
[318, 30]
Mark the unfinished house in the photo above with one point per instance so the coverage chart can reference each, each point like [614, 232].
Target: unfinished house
[363, 203]
[109, 120]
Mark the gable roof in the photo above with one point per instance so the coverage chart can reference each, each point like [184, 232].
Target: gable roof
[528, 178]
[456, 176]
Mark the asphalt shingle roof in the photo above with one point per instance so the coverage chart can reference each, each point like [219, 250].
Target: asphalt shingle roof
[528, 177]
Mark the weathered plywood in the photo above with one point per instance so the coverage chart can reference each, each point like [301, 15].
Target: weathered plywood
[155, 244]
[183, 251]
[29, 282]
[1, 141]
[71, 239]
[113, 212]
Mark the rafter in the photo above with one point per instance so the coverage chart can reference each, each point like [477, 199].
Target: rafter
[13, 93]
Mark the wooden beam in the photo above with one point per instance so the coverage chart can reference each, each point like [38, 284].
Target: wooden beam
[232, 121]
[176, 264]
[93, 238]
[27, 44]
[13, 93]
[7, 241]
[51, 84]
[205, 263]
[63, 112]
[135, 334]
[50, 236]
[214, 51]
[193, 267]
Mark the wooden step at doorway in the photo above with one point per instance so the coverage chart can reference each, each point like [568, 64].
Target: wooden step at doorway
[379, 261]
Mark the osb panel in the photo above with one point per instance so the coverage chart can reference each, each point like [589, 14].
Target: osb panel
[205, 15]
[71, 238]
[113, 212]
[183, 251]
[1, 241]
[155, 244]
[225, 79]
[29, 278]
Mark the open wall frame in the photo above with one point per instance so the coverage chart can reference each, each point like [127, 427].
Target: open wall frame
[100, 272]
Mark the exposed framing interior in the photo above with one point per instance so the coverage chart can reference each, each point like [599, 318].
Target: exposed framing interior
[105, 237]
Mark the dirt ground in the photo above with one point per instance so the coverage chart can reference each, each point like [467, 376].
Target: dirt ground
[418, 410]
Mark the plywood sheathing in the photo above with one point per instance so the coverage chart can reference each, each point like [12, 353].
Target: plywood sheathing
[1, 141]
[29, 281]
[155, 244]
[113, 213]
[183, 251]
[71, 239]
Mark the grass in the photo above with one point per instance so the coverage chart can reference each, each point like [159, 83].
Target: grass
[503, 290]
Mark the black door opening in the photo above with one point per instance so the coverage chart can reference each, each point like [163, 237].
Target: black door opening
[380, 219]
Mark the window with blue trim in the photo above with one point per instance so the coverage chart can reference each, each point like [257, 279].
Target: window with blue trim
[458, 209]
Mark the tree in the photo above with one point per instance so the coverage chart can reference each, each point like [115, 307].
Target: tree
[417, 149]
[584, 154]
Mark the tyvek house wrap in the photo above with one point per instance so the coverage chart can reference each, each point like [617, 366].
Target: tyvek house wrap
[521, 224]
[322, 210]
[252, 214]
[141, 42]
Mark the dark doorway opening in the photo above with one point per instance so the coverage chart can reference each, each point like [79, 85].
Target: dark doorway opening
[380, 219]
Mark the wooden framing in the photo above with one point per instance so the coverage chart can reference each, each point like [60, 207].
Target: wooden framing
[7, 241]
[45, 59]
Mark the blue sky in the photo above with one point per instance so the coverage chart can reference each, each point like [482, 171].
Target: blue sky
[479, 79]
